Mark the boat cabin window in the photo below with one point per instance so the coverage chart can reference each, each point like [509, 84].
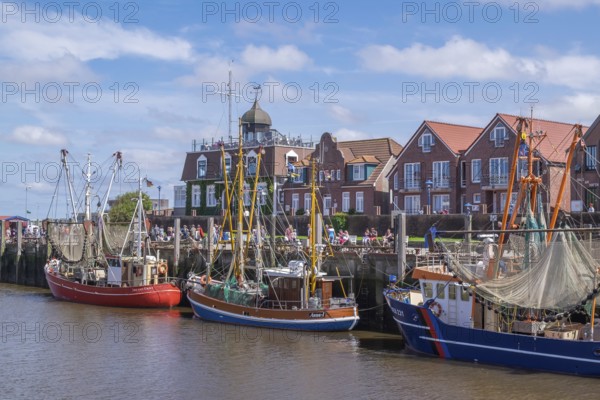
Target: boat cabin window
[428, 290]
[452, 292]
[441, 290]
[464, 295]
[294, 284]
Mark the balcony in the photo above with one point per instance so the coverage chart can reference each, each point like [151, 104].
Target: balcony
[494, 182]
[410, 185]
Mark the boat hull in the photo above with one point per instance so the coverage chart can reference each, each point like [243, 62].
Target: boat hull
[335, 319]
[425, 333]
[148, 296]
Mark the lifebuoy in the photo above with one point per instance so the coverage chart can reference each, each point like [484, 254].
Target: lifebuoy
[203, 280]
[162, 269]
[436, 308]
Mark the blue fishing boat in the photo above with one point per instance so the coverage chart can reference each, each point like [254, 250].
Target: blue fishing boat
[527, 300]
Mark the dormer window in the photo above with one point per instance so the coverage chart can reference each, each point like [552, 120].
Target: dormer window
[201, 167]
[227, 164]
[426, 141]
[499, 136]
[358, 172]
[251, 163]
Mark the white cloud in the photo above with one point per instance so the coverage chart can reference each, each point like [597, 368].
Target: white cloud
[342, 114]
[86, 41]
[472, 60]
[547, 4]
[37, 136]
[264, 58]
[457, 57]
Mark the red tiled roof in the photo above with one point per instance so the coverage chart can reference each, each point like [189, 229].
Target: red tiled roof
[559, 136]
[381, 148]
[457, 137]
[364, 159]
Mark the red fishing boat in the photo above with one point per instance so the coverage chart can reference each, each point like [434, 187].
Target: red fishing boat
[84, 272]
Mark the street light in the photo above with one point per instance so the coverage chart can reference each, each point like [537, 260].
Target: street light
[158, 187]
[26, 208]
[429, 185]
[468, 207]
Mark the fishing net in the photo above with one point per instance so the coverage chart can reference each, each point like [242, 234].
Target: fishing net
[67, 240]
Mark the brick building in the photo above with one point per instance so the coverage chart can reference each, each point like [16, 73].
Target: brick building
[351, 176]
[427, 175]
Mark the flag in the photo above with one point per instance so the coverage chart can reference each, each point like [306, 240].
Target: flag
[28, 212]
[148, 182]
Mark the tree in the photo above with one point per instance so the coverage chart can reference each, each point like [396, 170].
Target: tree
[124, 206]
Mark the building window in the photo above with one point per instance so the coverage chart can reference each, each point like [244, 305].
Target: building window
[513, 201]
[412, 176]
[396, 208]
[499, 136]
[441, 203]
[522, 168]
[195, 195]
[299, 175]
[179, 196]
[263, 193]
[426, 141]
[396, 181]
[201, 167]
[227, 164]
[476, 171]
[590, 157]
[358, 172]
[412, 204]
[295, 202]
[441, 174]
[339, 174]
[477, 198]
[211, 199]
[251, 163]
[306, 202]
[321, 176]
[499, 171]
[360, 202]
[332, 174]
[463, 174]
[345, 201]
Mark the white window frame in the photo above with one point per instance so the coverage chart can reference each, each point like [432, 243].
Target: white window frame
[441, 174]
[499, 135]
[345, 201]
[295, 202]
[426, 140]
[477, 198]
[299, 178]
[358, 172]
[307, 197]
[396, 180]
[412, 176]
[201, 159]
[476, 170]
[513, 201]
[360, 202]
[227, 164]
[498, 168]
[251, 156]
[339, 174]
[412, 204]
[196, 199]
[179, 196]
[262, 188]
[211, 198]
[440, 202]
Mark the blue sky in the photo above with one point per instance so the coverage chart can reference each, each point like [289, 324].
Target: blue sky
[142, 80]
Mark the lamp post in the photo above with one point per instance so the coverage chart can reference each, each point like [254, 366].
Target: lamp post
[429, 185]
[158, 187]
[26, 207]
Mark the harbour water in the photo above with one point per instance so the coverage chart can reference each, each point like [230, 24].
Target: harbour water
[58, 350]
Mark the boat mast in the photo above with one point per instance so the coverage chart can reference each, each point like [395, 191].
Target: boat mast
[313, 233]
[63, 158]
[139, 215]
[88, 188]
[239, 259]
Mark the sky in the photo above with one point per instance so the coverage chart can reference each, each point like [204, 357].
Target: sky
[145, 78]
